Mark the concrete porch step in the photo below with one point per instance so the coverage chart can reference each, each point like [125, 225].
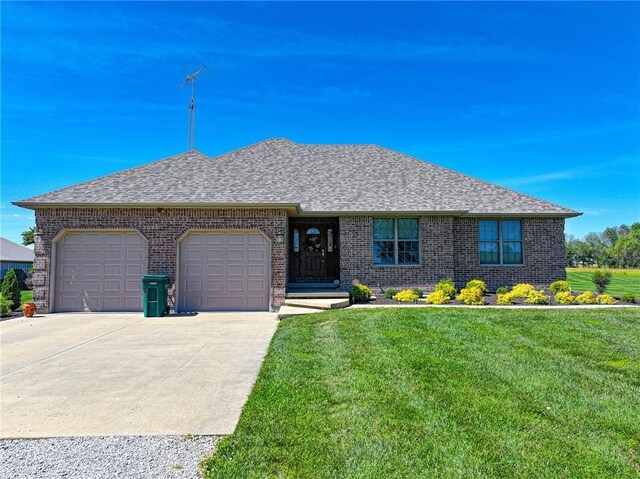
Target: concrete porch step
[318, 303]
[316, 294]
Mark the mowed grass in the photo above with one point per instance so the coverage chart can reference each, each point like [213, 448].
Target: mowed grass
[26, 296]
[622, 280]
[443, 393]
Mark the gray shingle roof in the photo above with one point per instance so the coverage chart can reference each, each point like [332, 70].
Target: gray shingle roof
[318, 178]
[10, 251]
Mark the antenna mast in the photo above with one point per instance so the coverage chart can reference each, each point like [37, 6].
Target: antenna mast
[192, 106]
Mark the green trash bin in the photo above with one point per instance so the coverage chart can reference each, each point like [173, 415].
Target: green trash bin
[155, 292]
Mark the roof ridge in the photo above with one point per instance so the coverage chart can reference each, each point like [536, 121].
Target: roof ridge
[477, 179]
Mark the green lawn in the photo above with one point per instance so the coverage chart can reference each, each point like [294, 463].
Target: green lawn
[443, 393]
[25, 296]
[622, 280]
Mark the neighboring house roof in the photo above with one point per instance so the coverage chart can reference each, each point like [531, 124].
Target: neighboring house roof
[311, 178]
[10, 251]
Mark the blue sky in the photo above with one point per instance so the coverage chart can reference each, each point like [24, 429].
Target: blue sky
[541, 97]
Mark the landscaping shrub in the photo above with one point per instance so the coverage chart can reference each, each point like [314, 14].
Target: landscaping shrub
[601, 279]
[448, 287]
[502, 290]
[6, 306]
[628, 298]
[390, 293]
[419, 292]
[559, 287]
[360, 292]
[11, 289]
[522, 290]
[587, 298]
[564, 297]
[471, 295]
[537, 297]
[438, 297]
[606, 299]
[406, 296]
[505, 298]
[477, 283]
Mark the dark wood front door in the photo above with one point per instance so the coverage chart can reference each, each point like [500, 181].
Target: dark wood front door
[314, 249]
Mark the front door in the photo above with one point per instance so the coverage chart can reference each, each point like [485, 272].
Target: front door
[314, 250]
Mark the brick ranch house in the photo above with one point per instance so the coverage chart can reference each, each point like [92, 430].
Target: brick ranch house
[236, 231]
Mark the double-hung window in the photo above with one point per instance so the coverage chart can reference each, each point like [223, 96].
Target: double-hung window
[396, 241]
[500, 241]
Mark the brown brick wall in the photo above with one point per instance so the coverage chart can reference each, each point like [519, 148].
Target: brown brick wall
[449, 249]
[544, 254]
[356, 254]
[162, 230]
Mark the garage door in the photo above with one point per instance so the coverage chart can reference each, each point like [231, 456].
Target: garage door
[224, 272]
[99, 271]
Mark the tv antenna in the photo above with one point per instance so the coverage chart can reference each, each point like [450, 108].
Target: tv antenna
[192, 106]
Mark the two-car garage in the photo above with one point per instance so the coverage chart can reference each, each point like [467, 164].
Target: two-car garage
[100, 270]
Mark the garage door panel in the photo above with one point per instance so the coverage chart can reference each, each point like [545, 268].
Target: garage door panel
[99, 271]
[222, 262]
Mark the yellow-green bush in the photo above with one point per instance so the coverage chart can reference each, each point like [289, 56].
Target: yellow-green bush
[559, 287]
[564, 297]
[537, 297]
[587, 298]
[438, 297]
[522, 290]
[448, 287]
[477, 283]
[406, 296]
[505, 299]
[360, 292]
[606, 299]
[471, 295]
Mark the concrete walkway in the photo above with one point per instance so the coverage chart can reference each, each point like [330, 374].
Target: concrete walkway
[122, 374]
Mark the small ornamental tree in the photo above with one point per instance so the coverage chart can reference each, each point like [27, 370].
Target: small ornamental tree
[601, 279]
[11, 288]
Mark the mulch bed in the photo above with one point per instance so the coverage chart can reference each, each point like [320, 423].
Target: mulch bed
[490, 299]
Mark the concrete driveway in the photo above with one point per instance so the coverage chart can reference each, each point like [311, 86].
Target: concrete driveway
[123, 374]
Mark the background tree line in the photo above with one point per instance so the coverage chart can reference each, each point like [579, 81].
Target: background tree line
[615, 247]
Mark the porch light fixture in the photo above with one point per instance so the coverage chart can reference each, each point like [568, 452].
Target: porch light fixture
[280, 237]
[37, 235]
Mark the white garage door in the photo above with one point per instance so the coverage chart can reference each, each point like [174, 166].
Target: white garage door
[99, 271]
[224, 272]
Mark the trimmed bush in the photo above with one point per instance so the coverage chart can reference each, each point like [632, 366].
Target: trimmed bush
[537, 297]
[564, 297]
[477, 283]
[360, 292]
[606, 299]
[448, 287]
[11, 289]
[601, 279]
[559, 287]
[419, 292]
[471, 295]
[628, 298]
[502, 290]
[406, 296]
[438, 297]
[505, 299]
[522, 290]
[6, 306]
[587, 298]
[390, 293]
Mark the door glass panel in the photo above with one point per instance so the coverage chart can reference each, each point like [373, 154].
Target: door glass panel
[313, 231]
[296, 241]
[330, 240]
[312, 243]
